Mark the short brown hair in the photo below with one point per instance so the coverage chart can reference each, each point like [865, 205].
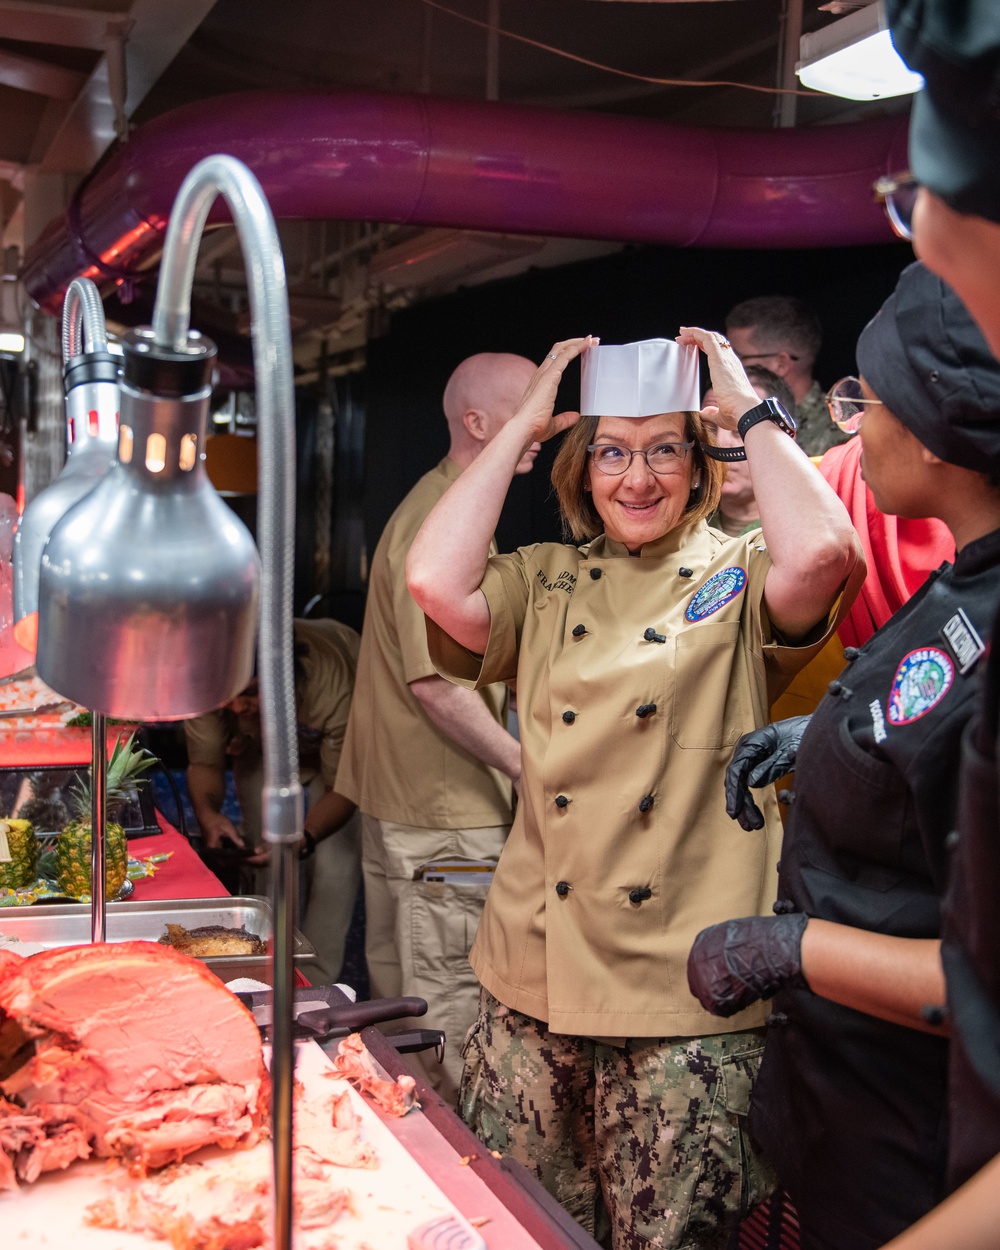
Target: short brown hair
[581, 520]
[780, 322]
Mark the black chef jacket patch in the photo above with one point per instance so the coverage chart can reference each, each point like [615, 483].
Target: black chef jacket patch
[962, 641]
[923, 678]
[716, 593]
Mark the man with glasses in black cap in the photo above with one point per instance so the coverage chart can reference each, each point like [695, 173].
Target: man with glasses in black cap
[951, 201]
[954, 220]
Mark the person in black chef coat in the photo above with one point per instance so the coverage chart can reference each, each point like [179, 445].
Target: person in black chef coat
[851, 1098]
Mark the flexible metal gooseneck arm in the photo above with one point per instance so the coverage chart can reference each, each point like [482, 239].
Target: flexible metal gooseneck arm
[85, 329]
[282, 795]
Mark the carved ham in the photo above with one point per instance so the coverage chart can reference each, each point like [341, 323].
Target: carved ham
[223, 1202]
[329, 1132]
[131, 1050]
[10, 961]
[353, 1062]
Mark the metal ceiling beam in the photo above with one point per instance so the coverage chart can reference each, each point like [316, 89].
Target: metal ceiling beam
[156, 33]
[27, 73]
[60, 24]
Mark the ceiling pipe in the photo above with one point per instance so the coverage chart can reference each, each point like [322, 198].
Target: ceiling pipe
[441, 162]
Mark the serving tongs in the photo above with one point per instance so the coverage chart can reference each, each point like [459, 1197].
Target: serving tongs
[324, 1012]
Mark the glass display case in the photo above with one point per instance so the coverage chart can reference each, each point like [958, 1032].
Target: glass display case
[45, 796]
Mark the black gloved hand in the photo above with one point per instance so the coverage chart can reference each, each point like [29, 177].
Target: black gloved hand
[760, 757]
[735, 963]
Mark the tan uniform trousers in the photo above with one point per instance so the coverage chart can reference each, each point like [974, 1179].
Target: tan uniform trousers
[332, 876]
[418, 934]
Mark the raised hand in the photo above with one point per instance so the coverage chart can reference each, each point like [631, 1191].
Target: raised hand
[733, 393]
[534, 415]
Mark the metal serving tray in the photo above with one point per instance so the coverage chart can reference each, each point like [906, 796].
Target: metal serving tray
[68, 924]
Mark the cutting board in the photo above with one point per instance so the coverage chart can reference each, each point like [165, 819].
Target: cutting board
[390, 1201]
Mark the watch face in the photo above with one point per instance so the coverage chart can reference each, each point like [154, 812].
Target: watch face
[781, 413]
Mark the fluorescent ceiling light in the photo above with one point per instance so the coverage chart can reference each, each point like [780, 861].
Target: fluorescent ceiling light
[11, 342]
[854, 58]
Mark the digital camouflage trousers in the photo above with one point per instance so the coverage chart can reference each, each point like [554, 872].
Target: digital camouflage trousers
[651, 1134]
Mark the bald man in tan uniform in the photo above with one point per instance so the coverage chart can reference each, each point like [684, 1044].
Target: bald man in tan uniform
[430, 765]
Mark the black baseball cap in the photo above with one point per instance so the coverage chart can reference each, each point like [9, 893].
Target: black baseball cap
[955, 122]
[927, 361]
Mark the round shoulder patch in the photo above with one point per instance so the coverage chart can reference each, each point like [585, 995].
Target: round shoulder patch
[922, 680]
[716, 593]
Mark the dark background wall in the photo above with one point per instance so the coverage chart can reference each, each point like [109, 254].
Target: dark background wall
[641, 293]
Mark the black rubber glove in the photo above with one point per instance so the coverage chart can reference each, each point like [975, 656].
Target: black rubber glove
[761, 756]
[735, 963]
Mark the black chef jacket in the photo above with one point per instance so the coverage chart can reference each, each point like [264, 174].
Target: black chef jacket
[851, 1109]
[971, 944]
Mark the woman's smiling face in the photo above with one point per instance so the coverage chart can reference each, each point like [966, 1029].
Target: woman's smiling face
[641, 506]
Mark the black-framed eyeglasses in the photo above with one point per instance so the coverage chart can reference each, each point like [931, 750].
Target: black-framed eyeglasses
[661, 459]
[847, 404]
[898, 193]
[767, 355]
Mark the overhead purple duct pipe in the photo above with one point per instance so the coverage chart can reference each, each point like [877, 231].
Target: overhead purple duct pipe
[443, 162]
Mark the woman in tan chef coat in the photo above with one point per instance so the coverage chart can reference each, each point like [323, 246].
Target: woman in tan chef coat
[640, 657]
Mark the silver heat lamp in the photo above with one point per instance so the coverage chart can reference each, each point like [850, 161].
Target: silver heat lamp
[148, 586]
[148, 594]
[90, 377]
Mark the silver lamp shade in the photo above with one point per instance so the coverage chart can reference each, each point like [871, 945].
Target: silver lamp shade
[91, 382]
[148, 591]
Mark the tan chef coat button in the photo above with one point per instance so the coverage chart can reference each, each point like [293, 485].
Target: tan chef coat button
[579, 631]
[645, 803]
[569, 717]
[562, 800]
[562, 888]
[640, 895]
[595, 574]
[685, 572]
[644, 710]
[652, 636]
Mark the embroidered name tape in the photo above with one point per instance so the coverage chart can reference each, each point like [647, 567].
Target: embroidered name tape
[962, 640]
[716, 593]
[922, 680]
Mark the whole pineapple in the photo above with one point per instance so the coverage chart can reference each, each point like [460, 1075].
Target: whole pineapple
[128, 762]
[18, 837]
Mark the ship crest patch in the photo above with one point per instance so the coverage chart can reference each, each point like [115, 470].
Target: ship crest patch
[720, 588]
[922, 680]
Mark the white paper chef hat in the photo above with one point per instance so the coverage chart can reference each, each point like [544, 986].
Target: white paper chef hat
[639, 379]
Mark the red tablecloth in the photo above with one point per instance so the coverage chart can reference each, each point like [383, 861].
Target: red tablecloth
[183, 875]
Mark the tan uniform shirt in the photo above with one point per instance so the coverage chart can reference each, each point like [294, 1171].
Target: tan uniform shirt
[635, 678]
[323, 701]
[397, 765]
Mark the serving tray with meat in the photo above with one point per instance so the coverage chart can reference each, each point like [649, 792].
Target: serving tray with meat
[134, 1107]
